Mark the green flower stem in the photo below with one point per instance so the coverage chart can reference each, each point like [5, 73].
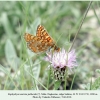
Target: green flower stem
[66, 70]
[49, 73]
[80, 25]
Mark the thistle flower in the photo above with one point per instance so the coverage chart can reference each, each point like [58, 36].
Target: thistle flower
[61, 60]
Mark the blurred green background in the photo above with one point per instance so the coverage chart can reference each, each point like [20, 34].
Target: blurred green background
[61, 19]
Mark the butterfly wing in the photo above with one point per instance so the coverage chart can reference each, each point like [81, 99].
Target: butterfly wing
[35, 44]
[31, 42]
[41, 42]
[45, 38]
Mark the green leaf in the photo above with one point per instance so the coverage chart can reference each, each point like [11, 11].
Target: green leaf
[98, 71]
[6, 24]
[11, 55]
[36, 22]
[96, 84]
[36, 69]
[57, 85]
[3, 69]
[34, 25]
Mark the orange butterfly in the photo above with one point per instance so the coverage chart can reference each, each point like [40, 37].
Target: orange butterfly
[41, 42]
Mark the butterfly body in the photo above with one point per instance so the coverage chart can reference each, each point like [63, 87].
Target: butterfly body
[41, 42]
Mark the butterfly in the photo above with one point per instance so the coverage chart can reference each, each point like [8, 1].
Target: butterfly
[41, 42]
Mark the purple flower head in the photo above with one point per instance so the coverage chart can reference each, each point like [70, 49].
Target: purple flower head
[62, 59]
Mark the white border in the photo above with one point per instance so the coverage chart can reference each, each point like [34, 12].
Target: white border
[54, 94]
